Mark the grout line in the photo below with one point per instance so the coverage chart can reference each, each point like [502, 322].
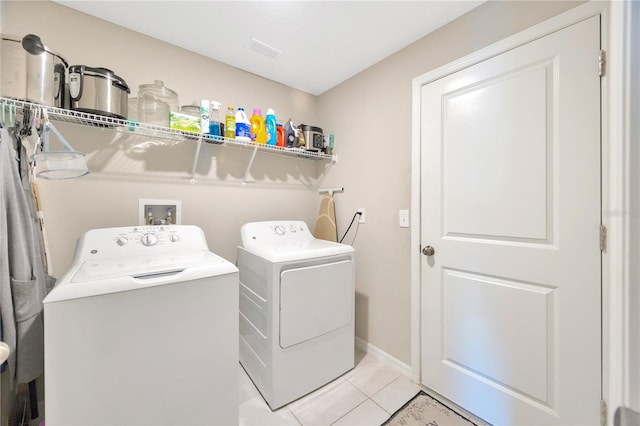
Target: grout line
[384, 409]
[350, 411]
[367, 349]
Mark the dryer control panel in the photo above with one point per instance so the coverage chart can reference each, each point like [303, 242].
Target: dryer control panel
[287, 241]
[272, 233]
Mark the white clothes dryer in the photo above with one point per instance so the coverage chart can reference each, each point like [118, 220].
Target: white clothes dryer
[142, 329]
[296, 309]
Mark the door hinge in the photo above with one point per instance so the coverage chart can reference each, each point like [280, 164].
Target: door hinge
[603, 237]
[603, 412]
[602, 62]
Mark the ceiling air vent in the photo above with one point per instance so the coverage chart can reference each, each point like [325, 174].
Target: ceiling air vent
[264, 49]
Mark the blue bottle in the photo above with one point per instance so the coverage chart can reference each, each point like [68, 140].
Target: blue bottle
[272, 134]
[214, 121]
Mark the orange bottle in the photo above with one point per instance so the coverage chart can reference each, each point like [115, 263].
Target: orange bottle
[280, 135]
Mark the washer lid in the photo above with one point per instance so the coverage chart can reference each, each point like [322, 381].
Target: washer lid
[112, 275]
[142, 267]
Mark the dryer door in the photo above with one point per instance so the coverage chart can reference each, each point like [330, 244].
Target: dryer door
[315, 300]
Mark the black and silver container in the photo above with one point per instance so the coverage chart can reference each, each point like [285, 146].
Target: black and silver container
[31, 71]
[313, 137]
[98, 91]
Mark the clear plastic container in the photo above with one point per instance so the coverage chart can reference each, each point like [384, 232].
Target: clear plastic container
[191, 110]
[56, 165]
[155, 102]
[132, 109]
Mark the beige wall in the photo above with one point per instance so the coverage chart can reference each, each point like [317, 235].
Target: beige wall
[370, 114]
[126, 168]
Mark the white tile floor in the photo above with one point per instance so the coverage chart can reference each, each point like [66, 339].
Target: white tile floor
[366, 395]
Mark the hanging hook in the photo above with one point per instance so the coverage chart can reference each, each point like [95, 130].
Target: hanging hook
[35, 122]
[25, 130]
[45, 116]
[330, 191]
[3, 121]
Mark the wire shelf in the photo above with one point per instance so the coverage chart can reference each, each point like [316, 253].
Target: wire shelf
[135, 128]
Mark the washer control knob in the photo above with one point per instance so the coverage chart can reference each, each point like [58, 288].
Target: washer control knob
[292, 228]
[122, 240]
[279, 230]
[149, 239]
[174, 238]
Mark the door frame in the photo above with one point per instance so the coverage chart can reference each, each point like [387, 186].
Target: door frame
[615, 189]
[623, 193]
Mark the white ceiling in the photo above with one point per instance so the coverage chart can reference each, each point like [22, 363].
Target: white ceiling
[321, 43]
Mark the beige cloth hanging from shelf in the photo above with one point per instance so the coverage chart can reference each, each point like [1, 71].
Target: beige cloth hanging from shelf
[325, 228]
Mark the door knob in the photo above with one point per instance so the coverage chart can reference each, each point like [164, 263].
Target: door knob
[428, 251]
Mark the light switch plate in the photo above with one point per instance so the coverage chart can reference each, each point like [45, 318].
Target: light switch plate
[403, 218]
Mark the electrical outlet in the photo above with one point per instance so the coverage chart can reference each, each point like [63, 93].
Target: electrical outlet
[361, 219]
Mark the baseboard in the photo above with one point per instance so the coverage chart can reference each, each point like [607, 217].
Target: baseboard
[368, 348]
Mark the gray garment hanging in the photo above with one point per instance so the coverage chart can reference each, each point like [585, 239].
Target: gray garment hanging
[23, 277]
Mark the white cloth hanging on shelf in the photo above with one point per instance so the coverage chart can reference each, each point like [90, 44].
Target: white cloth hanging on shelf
[23, 278]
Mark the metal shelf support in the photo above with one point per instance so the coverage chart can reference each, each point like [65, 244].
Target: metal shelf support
[192, 180]
[246, 172]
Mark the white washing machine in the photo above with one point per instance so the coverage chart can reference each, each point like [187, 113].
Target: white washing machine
[296, 309]
[143, 329]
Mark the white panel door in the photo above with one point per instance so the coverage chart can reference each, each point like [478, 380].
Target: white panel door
[511, 205]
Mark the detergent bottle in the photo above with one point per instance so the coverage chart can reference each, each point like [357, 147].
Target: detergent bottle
[243, 126]
[281, 142]
[272, 136]
[258, 130]
[230, 123]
